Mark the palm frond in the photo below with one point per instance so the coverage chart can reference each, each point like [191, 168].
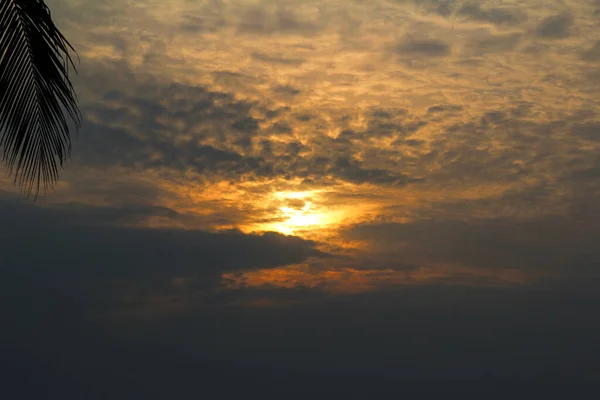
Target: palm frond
[37, 98]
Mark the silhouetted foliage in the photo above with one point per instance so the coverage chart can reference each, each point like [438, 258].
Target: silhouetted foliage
[37, 98]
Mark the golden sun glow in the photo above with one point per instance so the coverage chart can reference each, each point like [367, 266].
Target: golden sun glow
[297, 211]
[302, 217]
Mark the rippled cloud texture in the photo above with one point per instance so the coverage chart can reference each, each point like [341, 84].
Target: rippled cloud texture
[271, 154]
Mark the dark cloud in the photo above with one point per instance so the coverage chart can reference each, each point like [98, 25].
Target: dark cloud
[378, 113]
[277, 60]
[203, 23]
[261, 21]
[112, 146]
[467, 150]
[590, 131]
[295, 148]
[82, 245]
[593, 54]
[234, 79]
[587, 174]
[411, 142]
[383, 128]
[461, 152]
[422, 48]
[499, 16]
[352, 171]
[444, 9]
[58, 279]
[176, 128]
[282, 128]
[443, 109]
[493, 117]
[495, 43]
[529, 245]
[78, 214]
[304, 117]
[286, 90]
[555, 27]
[411, 340]
[147, 125]
[381, 123]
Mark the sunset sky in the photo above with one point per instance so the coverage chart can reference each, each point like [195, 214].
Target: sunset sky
[267, 188]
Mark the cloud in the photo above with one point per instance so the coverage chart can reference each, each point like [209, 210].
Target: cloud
[83, 246]
[352, 171]
[593, 54]
[539, 246]
[424, 335]
[495, 43]
[277, 60]
[590, 131]
[444, 108]
[151, 125]
[265, 21]
[414, 47]
[204, 23]
[499, 16]
[178, 128]
[287, 90]
[555, 27]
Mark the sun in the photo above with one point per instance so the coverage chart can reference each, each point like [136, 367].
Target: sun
[303, 217]
[306, 214]
[296, 211]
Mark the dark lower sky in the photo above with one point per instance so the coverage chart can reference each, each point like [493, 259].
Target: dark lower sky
[334, 199]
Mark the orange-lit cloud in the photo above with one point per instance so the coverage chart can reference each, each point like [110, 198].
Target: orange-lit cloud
[349, 280]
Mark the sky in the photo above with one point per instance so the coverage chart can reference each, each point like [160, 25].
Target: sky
[330, 197]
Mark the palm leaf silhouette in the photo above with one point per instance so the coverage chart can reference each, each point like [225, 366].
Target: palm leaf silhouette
[37, 98]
